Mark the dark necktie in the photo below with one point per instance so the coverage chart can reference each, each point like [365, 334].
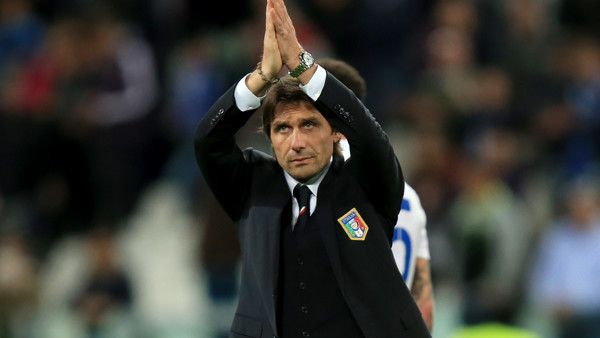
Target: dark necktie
[302, 194]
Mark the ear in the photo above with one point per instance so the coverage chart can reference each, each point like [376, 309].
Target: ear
[337, 136]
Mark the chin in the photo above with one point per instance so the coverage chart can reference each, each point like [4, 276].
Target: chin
[301, 176]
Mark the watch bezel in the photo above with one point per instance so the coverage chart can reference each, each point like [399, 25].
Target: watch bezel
[307, 59]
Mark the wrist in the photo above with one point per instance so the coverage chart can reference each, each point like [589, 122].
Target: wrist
[267, 78]
[256, 85]
[293, 62]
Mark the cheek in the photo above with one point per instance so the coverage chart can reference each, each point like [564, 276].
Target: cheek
[279, 147]
[328, 142]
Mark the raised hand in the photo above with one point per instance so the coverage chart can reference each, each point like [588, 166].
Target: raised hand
[289, 47]
[270, 65]
[271, 59]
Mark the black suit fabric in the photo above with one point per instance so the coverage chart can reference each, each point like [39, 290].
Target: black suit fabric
[309, 300]
[252, 188]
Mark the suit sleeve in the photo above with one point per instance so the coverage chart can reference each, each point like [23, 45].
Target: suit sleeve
[373, 157]
[223, 164]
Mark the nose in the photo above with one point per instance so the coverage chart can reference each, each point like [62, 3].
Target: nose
[298, 141]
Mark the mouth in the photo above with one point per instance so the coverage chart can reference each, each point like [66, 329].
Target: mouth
[301, 160]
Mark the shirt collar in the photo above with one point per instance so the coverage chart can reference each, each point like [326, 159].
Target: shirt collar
[312, 184]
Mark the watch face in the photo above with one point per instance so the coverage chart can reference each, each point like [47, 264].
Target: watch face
[307, 59]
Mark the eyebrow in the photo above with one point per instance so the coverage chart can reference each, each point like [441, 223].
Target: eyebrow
[310, 119]
[278, 123]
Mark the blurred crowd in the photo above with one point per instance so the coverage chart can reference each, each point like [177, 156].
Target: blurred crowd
[493, 108]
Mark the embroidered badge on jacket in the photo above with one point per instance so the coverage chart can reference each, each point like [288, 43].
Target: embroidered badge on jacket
[354, 225]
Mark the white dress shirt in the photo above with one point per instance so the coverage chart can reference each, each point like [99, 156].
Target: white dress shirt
[313, 186]
[246, 100]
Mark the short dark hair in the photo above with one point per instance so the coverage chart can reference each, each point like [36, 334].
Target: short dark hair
[347, 74]
[287, 90]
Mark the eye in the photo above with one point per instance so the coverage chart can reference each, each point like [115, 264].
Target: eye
[308, 125]
[282, 129]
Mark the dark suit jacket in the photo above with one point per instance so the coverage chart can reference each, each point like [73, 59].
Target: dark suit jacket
[252, 189]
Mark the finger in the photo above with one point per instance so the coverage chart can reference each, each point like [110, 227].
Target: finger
[279, 8]
[267, 11]
[285, 19]
[270, 5]
[268, 20]
[282, 26]
[277, 23]
[284, 8]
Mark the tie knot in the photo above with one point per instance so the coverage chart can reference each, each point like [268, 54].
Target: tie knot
[302, 194]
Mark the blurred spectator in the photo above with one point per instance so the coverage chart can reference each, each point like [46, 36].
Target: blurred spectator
[113, 115]
[46, 164]
[583, 92]
[21, 33]
[531, 35]
[492, 107]
[491, 233]
[107, 289]
[583, 98]
[567, 121]
[18, 282]
[196, 81]
[450, 72]
[565, 273]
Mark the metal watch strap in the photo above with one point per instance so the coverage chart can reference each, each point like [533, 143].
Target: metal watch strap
[299, 70]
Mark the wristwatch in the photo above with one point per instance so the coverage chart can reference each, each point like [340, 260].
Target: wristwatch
[306, 61]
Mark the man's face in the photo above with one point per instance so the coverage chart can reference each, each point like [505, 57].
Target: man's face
[302, 139]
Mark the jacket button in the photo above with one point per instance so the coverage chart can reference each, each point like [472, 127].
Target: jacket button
[221, 111]
[300, 261]
[346, 115]
[304, 309]
[305, 334]
[302, 285]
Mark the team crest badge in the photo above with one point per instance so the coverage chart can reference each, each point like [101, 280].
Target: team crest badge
[354, 225]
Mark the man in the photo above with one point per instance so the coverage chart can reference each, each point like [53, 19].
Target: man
[410, 244]
[305, 271]
[411, 251]
[564, 278]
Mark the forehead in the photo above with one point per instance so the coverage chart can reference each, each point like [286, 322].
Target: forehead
[290, 111]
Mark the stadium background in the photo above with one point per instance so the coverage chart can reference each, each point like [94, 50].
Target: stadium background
[493, 107]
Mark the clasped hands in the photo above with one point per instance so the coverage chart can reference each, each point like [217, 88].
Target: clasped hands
[281, 47]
